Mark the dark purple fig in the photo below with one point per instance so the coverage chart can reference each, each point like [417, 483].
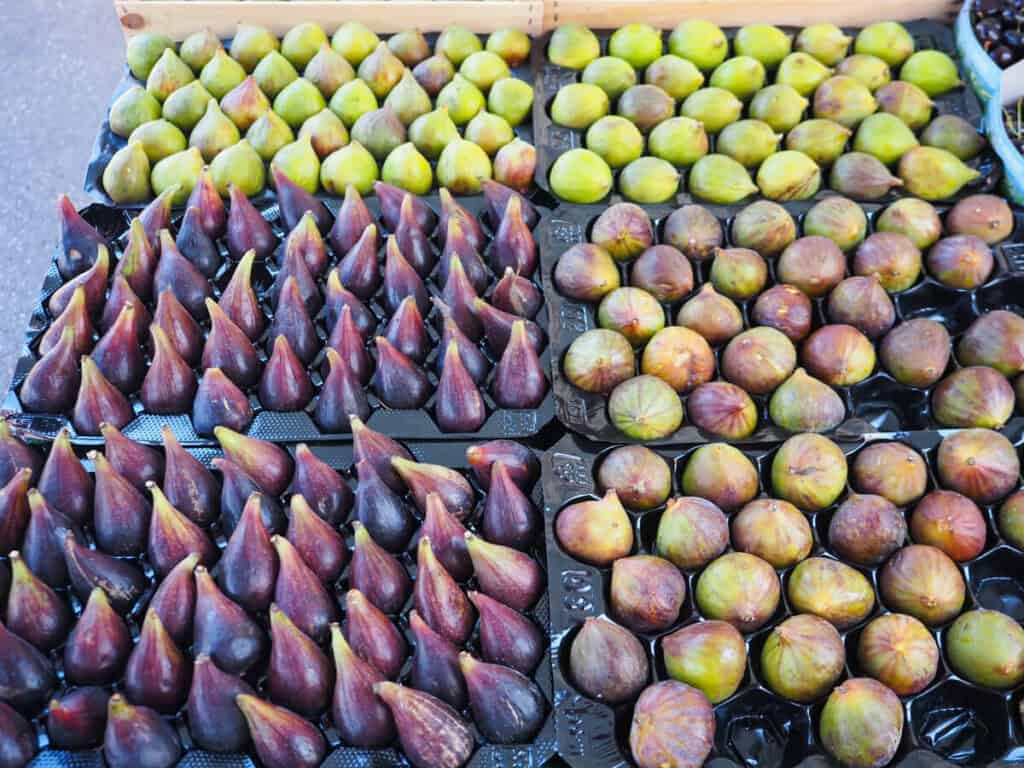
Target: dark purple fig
[236, 489]
[281, 738]
[391, 197]
[42, 537]
[802, 658]
[401, 280]
[862, 723]
[15, 455]
[80, 242]
[93, 280]
[156, 217]
[137, 737]
[673, 724]
[248, 567]
[498, 197]
[521, 463]
[215, 721]
[692, 532]
[223, 630]
[839, 355]
[587, 272]
[157, 673]
[831, 590]
[321, 547]
[459, 405]
[758, 360]
[378, 449]
[509, 516]
[899, 652]
[268, 464]
[246, 228]
[372, 635]
[804, 404]
[360, 717]
[398, 381]
[173, 536]
[188, 485]
[175, 600]
[138, 261]
[27, 676]
[197, 246]
[513, 246]
[121, 295]
[647, 593]
[916, 352]
[358, 270]
[863, 303]
[299, 675]
[507, 706]
[597, 531]
[891, 470]
[169, 385]
[739, 588]
[228, 348]
[322, 487]
[121, 581]
[339, 297]
[293, 267]
[447, 538]
[519, 379]
[813, 263]
[438, 598]
[219, 403]
[422, 479]
[34, 611]
[292, 321]
[506, 636]
[299, 593]
[412, 241]
[977, 396]
[950, 521]
[14, 510]
[924, 582]
[435, 665]
[138, 464]
[459, 296]
[516, 295]
[284, 383]
[431, 733]
[180, 276]
[76, 720]
[723, 410]
[121, 513]
[295, 202]
[979, 463]
[892, 256]
[709, 655]
[341, 395]
[664, 272]
[352, 220]
[347, 341]
[76, 317]
[867, 529]
[180, 327]
[713, 316]
[52, 382]
[205, 197]
[504, 573]
[452, 212]
[960, 261]
[995, 339]
[601, 639]
[407, 333]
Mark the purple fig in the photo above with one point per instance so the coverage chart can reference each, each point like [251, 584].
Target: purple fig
[282, 739]
[138, 261]
[438, 598]
[459, 405]
[960, 261]
[175, 600]
[758, 360]
[76, 317]
[509, 516]
[435, 665]
[207, 200]
[14, 510]
[122, 582]
[80, 242]
[341, 395]
[41, 542]
[712, 315]
[93, 280]
[398, 381]
[176, 273]
[189, 485]
[516, 295]
[180, 327]
[422, 479]
[121, 295]
[673, 724]
[219, 403]
[268, 464]
[723, 410]
[292, 321]
[339, 297]
[839, 355]
[34, 611]
[223, 630]
[284, 384]
[372, 635]
[381, 510]
[867, 529]
[358, 271]
[459, 296]
[246, 228]
[498, 327]
[470, 356]
[391, 197]
[157, 674]
[293, 267]
[26, 677]
[215, 721]
[322, 487]
[351, 222]
[447, 538]
[378, 450]
[137, 737]
[360, 717]
[138, 464]
[498, 197]
[239, 300]
[156, 216]
[173, 537]
[306, 242]
[431, 733]
[521, 463]
[457, 243]
[506, 636]
[892, 256]
[813, 263]
[121, 513]
[505, 574]
[228, 348]
[976, 396]
[412, 241]
[784, 308]
[647, 592]
[950, 521]
[15, 455]
[236, 489]
[601, 638]
[401, 280]
[299, 676]
[197, 246]
[519, 380]
[452, 212]
[169, 385]
[51, 383]
[692, 532]
[513, 246]
[295, 202]
[377, 574]
[248, 568]
[916, 352]
[321, 547]
[76, 720]
[406, 331]
[348, 342]
[507, 706]
[299, 593]
[995, 339]
[587, 272]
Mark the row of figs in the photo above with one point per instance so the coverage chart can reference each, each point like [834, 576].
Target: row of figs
[311, 321]
[263, 618]
[802, 564]
[362, 110]
[792, 320]
[780, 116]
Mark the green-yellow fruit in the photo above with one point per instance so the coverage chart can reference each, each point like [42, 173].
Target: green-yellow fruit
[512, 45]
[780, 106]
[934, 174]
[578, 105]
[676, 76]
[406, 168]
[408, 99]
[870, 70]
[328, 70]
[483, 69]
[131, 109]
[720, 179]
[611, 75]
[845, 100]
[700, 41]
[238, 166]
[821, 140]
[325, 130]
[353, 100]
[573, 46]
[766, 43]
[457, 43]
[463, 167]
[742, 75]
[186, 106]
[714, 107]
[352, 164]
[802, 72]
[616, 140]
[144, 51]
[214, 133]
[580, 176]
[489, 132]
[649, 180]
[887, 40]
[126, 177]
[301, 42]
[250, 44]
[198, 48]
[748, 142]
[934, 72]
[221, 74]
[381, 70]
[299, 162]
[885, 136]
[637, 44]
[273, 73]
[462, 98]
[159, 138]
[511, 98]
[181, 170]
[168, 75]
[679, 140]
[825, 42]
[298, 102]
[789, 175]
[268, 134]
[355, 42]
[432, 132]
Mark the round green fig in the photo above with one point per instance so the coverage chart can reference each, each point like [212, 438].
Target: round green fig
[916, 219]
[870, 70]
[647, 593]
[632, 312]
[718, 178]
[715, 108]
[673, 725]
[764, 226]
[679, 357]
[899, 652]
[979, 463]
[950, 521]
[709, 655]
[738, 588]
[924, 582]
[692, 532]
[722, 474]
[677, 76]
[977, 396]
[645, 408]
[599, 360]
[774, 530]
[866, 529]
[615, 140]
[891, 470]
[987, 648]
[649, 180]
[636, 43]
[804, 404]
[802, 72]
[825, 42]
[821, 140]
[612, 75]
[802, 658]
[934, 72]
[580, 176]
[739, 273]
[641, 477]
[839, 219]
[748, 142]
[809, 471]
[743, 76]
[832, 590]
[700, 41]
[862, 723]
[789, 175]
[578, 105]
[678, 140]
[573, 46]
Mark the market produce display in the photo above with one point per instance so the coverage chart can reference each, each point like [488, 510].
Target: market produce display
[997, 25]
[743, 324]
[224, 313]
[776, 601]
[412, 114]
[784, 116]
[236, 607]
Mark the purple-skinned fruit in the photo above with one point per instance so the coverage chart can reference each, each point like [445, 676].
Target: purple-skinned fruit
[390, 198]
[239, 300]
[53, 381]
[981, 464]
[292, 321]
[322, 487]
[498, 327]
[181, 328]
[693, 531]
[138, 261]
[513, 246]
[197, 246]
[377, 574]
[504, 573]
[995, 339]
[509, 516]
[236, 489]
[892, 256]
[916, 352]
[712, 315]
[647, 592]
[950, 521]
[672, 723]
[398, 381]
[435, 665]
[169, 385]
[157, 672]
[121, 295]
[268, 464]
[899, 652]
[516, 295]
[459, 295]
[598, 640]
[173, 536]
[138, 464]
[519, 380]
[179, 275]
[976, 396]
[248, 567]
[295, 202]
[597, 531]
[839, 355]
[282, 739]
[412, 241]
[378, 449]
[472, 359]
[204, 196]
[587, 272]
[121, 513]
[348, 342]
[360, 717]
[341, 395]
[14, 510]
[785, 308]
[892, 470]
[352, 220]
[219, 403]
[522, 465]
[293, 266]
[320, 545]
[723, 410]
[339, 297]
[498, 196]
[924, 582]
[459, 405]
[431, 733]
[401, 280]
[27, 676]
[137, 737]
[79, 240]
[175, 600]
[284, 384]
[447, 538]
[223, 630]
[960, 261]
[42, 537]
[451, 212]
[422, 479]
[76, 720]
[122, 582]
[76, 317]
[438, 599]
[507, 706]
[299, 593]
[407, 333]
[358, 270]
[372, 636]
[305, 240]
[246, 229]
[228, 348]
[156, 216]
[299, 675]
[457, 243]
[93, 280]
[34, 611]
[383, 512]
[506, 636]
[188, 485]
[215, 721]
[15, 454]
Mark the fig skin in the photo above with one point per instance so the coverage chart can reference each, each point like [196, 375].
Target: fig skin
[599, 360]
[709, 655]
[862, 723]
[647, 593]
[632, 312]
[624, 230]
[673, 726]
[802, 658]
[695, 231]
[986, 216]
[1011, 519]
[722, 474]
[890, 255]
[813, 263]
[863, 303]
[891, 470]
[916, 352]
[976, 396]
[979, 463]
[773, 530]
[950, 521]
[645, 408]
[924, 582]
[758, 360]
[738, 588]
[642, 478]
[987, 648]
[809, 471]
[839, 355]
[692, 532]
[764, 226]
[712, 315]
[867, 529]
[785, 308]
[723, 410]
[586, 272]
[739, 273]
[963, 262]
[664, 272]
[995, 339]
[679, 357]
[595, 531]
[599, 640]
[831, 590]
[899, 652]
[804, 404]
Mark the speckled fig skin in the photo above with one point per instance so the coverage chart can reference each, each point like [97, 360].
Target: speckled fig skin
[738, 588]
[774, 530]
[709, 655]
[987, 648]
[673, 727]
[632, 312]
[977, 396]
[839, 355]
[645, 408]
[599, 640]
[890, 255]
[723, 410]
[785, 308]
[986, 216]
[1011, 519]
[960, 261]
[642, 479]
[804, 404]
[866, 529]
[995, 339]
[924, 582]
[664, 272]
[586, 272]
[862, 723]
[802, 658]
[679, 357]
[758, 360]
[722, 474]
[814, 264]
[739, 273]
[891, 470]
[599, 360]
[916, 352]
[836, 592]
[764, 226]
[692, 532]
[712, 315]
[595, 531]
[950, 521]
[900, 652]
[694, 230]
[809, 471]
[646, 593]
[979, 463]
[624, 230]
[863, 303]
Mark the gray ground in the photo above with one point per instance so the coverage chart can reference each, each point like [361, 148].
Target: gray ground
[60, 60]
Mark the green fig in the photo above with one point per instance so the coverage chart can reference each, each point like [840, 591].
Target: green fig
[353, 100]
[298, 101]
[159, 138]
[352, 164]
[489, 132]
[301, 43]
[578, 105]
[432, 132]
[840, 220]
[789, 175]
[406, 168]
[870, 70]
[637, 44]
[934, 174]
[885, 136]
[699, 41]
[457, 43]
[580, 176]
[483, 69]
[748, 142]
[168, 75]
[908, 102]
[325, 131]
[780, 106]
[649, 180]
[126, 177]
[462, 98]
[410, 46]
[955, 135]
[741, 75]
[718, 178]
[821, 140]
[611, 75]
[239, 166]
[715, 108]
[679, 140]
[186, 106]
[245, 103]
[802, 72]
[845, 100]
[616, 140]
[408, 99]
[674, 75]
[764, 42]
[355, 41]
[381, 70]
[268, 134]
[328, 70]
[825, 42]
[182, 170]
[512, 45]
[250, 44]
[462, 167]
[379, 131]
[512, 99]
[144, 51]
[131, 109]
[221, 74]
[214, 133]
[934, 72]
[916, 219]
[273, 73]
[573, 46]
[299, 162]
[198, 48]
[887, 40]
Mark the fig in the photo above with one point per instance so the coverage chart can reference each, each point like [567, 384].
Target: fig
[891, 256]
[649, 180]
[645, 408]
[802, 658]
[979, 463]
[713, 316]
[577, 106]
[843, 99]
[664, 272]
[804, 404]
[758, 360]
[773, 530]
[907, 102]
[598, 360]
[748, 142]
[955, 135]
[618, 142]
[950, 521]
[741, 75]
[694, 230]
[899, 652]
[709, 655]
[1011, 519]
[960, 261]
[839, 219]
[645, 106]
[679, 357]
[995, 339]
[839, 355]
[789, 175]
[738, 588]
[987, 648]
[597, 641]
[866, 529]
[717, 178]
[723, 410]
[612, 75]
[977, 396]
[862, 723]
[891, 470]
[701, 42]
[673, 725]
[862, 177]
[647, 593]
[821, 140]
[722, 474]
[692, 532]
[624, 230]
[809, 471]
[814, 264]
[681, 141]
[924, 582]
[785, 308]
[832, 590]
[915, 219]
[916, 352]
[764, 226]
[573, 46]
[985, 216]
[597, 531]
[586, 272]
[863, 303]
[738, 273]
[825, 42]
[633, 312]
[934, 174]
[640, 477]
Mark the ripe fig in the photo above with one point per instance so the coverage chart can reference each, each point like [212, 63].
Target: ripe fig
[764, 226]
[995, 339]
[839, 219]
[979, 463]
[692, 532]
[722, 474]
[76, 719]
[832, 590]
[624, 230]
[891, 256]
[924, 582]
[774, 530]
[986, 216]
[960, 261]
[280, 737]
[598, 640]
[862, 723]
[813, 263]
[987, 648]
[645, 408]
[758, 360]
[976, 396]
[804, 404]
[641, 478]
[435, 664]
[739, 273]
[507, 706]
[951, 522]
[1011, 519]
[709, 655]
[506, 636]
[137, 737]
[586, 272]
[647, 593]
[863, 303]
[694, 231]
[215, 721]
[723, 410]
[738, 588]
[673, 725]
[891, 470]
[713, 316]
[839, 355]
[633, 312]
[899, 652]
[785, 308]
[679, 357]
[664, 272]
[595, 531]
[802, 658]
[431, 733]
[866, 529]
[810, 471]
[916, 352]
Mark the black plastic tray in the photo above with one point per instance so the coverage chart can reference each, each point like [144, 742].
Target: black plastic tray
[877, 404]
[107, 142]
[487, 755]
[951, 719]
[294, 426]
[553, 140]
